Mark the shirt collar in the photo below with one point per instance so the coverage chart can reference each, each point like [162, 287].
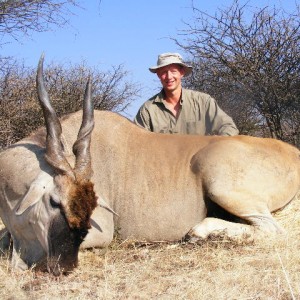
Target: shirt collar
[160, 96]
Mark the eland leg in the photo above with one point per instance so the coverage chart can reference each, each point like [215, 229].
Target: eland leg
[234, 231]
[101, 233]
[255, 213]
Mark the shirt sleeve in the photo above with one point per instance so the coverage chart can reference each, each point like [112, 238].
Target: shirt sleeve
[142, 118]
[217, 121]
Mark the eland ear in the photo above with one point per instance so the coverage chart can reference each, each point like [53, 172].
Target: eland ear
[35, 193]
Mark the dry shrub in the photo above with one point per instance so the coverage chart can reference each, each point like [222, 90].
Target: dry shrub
[20, 113]
[266, 269]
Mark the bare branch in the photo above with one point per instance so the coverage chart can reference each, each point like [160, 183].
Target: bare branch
[251, 53]
[20, 113]
[18, 18]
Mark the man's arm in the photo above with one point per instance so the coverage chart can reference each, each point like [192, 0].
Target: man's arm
[217, 121]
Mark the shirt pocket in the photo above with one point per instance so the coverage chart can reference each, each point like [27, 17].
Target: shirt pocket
[161, 129]
[195, 127]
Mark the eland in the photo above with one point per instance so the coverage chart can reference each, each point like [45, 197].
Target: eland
[163, 187]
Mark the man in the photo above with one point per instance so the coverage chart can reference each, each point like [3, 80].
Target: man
[179, 110]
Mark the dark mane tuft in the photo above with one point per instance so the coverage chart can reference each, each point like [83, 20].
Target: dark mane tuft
[81, 204]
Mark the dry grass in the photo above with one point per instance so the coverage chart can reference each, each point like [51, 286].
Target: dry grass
[266, 269]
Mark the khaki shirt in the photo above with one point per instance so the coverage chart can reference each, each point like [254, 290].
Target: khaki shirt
[198, 114]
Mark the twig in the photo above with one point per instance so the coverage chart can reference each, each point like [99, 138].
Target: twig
[286, 276]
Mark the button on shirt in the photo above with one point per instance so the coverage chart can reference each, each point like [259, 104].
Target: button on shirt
[198, 114]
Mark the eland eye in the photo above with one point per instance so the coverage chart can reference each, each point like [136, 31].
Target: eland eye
[54, 204]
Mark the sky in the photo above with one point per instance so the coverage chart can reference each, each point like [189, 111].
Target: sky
[108, 33]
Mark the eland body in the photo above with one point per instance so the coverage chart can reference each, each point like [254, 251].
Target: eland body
[164, 186]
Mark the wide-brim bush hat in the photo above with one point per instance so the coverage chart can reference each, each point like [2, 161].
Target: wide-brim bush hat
[166, 59]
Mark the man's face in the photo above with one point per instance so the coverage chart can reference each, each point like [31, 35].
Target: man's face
[170, 77]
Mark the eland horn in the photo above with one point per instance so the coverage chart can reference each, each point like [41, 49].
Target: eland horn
[54, 148]
[81, 147]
